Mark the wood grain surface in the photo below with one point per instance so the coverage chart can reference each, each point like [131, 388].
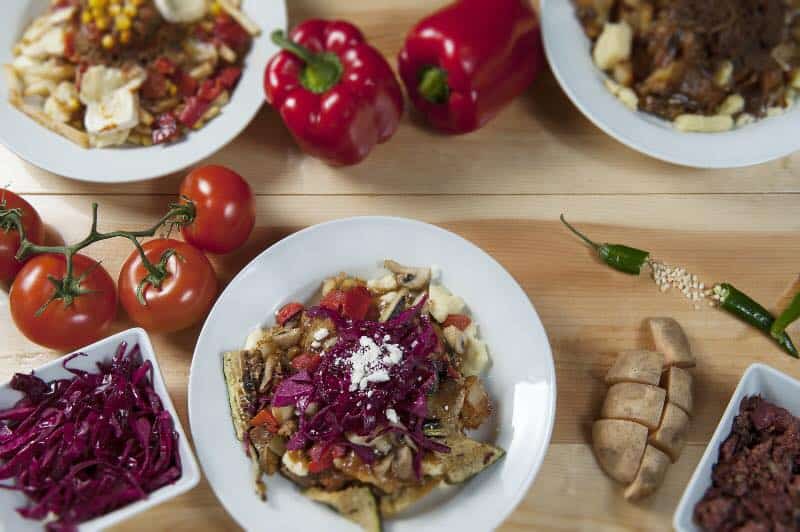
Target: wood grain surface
[502, 188]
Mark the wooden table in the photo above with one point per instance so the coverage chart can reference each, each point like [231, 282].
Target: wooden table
[503, 188]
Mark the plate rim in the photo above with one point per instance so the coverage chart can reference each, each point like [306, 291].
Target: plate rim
[550, 361]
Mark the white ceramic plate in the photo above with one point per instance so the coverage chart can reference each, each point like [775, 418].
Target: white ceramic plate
[774, 386]
[569, 54]
[51, 152]
[521, 380]
[103, 351]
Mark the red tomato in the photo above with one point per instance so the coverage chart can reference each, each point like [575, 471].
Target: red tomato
[356, 303]
[459, 321]
[265, 417]
[9, 239]
[60, 326]
[287, 312]
[186, 293]
[333, 300]
[321, 455]
[226, 210]
[306, 361]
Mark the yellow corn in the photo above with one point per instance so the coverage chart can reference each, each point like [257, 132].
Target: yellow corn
[130, 10]
[108, 42]
[101, 23]
[173, 90]
[96, 4]
[125, 36]
[114, 10]
[86, 17]
[123, 22]
[215, 9]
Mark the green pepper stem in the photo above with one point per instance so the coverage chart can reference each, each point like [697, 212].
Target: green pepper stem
[580, 235]
[322, 71]
[433, 85]
[787, 317]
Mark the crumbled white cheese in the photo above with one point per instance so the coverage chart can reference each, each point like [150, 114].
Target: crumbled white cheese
[371, 362]
[321, 334]
[392, 416]
[315, 345]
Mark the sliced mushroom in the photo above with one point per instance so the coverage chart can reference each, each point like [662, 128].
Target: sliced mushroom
[642, 403]
[477, 406]
[636, 366]
[456, 339]
[619, 446]
[385, 284]
[678, 383]
[394, 305]
[670, 436]
[407, 277]
[403, 465]
[670, 339]
[287, 338]
[650, 476]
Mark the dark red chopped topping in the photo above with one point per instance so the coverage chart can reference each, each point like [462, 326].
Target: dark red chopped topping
[166, 129]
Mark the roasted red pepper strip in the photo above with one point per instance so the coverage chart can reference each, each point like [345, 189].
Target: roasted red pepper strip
[337, 95]
[466, 62]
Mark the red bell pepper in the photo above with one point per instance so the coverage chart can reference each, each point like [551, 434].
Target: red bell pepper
[337, 95]
[466, 62]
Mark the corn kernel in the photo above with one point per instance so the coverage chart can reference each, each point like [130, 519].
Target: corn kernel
[125, 36]
[173, 90]
[130, 10]
[101, 23]
[137, 3]
[123, 22]
[86, 17]
[108, 42]
[114, 10]
[215, 9]
[95, 4]
[73, 104]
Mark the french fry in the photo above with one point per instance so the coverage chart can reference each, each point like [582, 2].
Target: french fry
[15, 85]
[68, 132]
[202, 71]
[239, 16]
[39, 87]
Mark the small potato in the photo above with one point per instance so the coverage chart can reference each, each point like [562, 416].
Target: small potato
[632, 401]
[670, 339]
[671, 434]
[640, 366]
[613, 45]
[678, 383]
[733, 104]
[723, 74]
[619, 446]
[650, 476]
[690, 123]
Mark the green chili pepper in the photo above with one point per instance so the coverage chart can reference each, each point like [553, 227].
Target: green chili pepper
[623, 258]
[743, 307]
[791, 314]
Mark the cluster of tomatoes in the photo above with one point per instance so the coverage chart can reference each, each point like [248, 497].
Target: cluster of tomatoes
[225, 216]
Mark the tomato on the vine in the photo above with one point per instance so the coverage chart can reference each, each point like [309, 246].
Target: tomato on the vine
[226, 211]
[63, 317]
[187, 289]
[9, 237]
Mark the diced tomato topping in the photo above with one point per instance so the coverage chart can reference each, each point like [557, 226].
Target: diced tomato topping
[194, 110]
[231, 33]
[356, 303]
[287, 312]
[155, 86]
[209, 90]
[321, 455]
[187, 85]
[229, 77]
[265, 418]
[306, 361]
[457, 320]
[334, 300]
[166, 128]
[164, 66]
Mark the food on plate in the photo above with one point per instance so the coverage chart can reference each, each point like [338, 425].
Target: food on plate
[749, 311]
[460, 72]
[135, 72]
[645, 415]
[705, 66]
[82, 447]
[754, 482]
[668, 335]
[174, 292]
[364, 398]
[642, 403]
[669, 338]
[640, 366]
[75, 310]
[337, 95]
[225, 209]
[10, 236]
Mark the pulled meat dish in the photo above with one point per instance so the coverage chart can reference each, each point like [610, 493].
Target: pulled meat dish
[708, 58]
[756, 481]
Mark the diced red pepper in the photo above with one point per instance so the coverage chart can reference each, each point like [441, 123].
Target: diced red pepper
[287, 312]
[306, 361]
[155, 86]
[194, 110]
[265, 418]
[357, 301]
[321, 455]
[164, 66]
[459, 321]
[231, 33]
[229, 77]
[209, 90]
[187, 85]
[334, 300]
[166, 128]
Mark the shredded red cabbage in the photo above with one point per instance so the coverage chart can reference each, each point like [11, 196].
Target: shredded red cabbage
[363, 412]
[83, 447]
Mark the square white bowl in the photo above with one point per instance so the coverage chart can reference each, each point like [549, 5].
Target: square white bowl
[759, 379]
[97, 352]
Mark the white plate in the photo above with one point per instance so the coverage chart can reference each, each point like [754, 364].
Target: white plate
[769, 383]
[103, 351]
[51, 152]
[569, 54]
[521, 380]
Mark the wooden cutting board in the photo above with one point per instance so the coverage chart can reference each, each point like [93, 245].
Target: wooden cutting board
[502, 188]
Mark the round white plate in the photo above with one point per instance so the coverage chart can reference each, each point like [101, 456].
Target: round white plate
[49, 151]
[521, 380]
[569, 54]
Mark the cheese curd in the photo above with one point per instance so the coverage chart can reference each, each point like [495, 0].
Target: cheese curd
[112, 103]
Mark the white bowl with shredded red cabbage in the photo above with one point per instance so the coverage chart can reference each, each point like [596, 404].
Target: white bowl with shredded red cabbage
[90, 439]
[521, 380]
